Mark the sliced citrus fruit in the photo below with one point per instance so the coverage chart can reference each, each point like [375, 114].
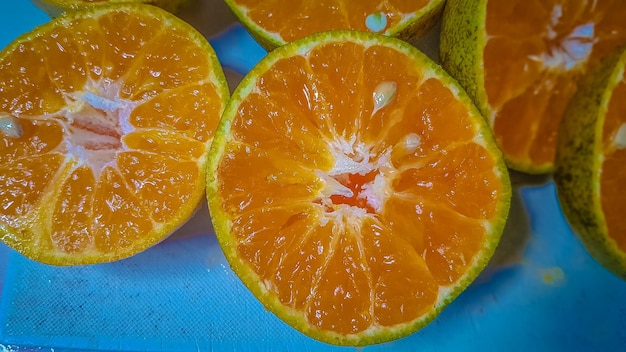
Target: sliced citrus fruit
[106, 117]
[354, 187]
[591, 163]
[521, 61]
[274, 22]
[55, 7]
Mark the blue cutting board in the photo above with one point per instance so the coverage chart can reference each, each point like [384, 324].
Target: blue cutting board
[542, 292]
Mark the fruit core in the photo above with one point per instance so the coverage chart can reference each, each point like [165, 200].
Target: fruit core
[360, 174]
[357, 180]
[568, 51]
[359, 187]
[95, 124]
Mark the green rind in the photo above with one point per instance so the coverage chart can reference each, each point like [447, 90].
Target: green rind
[222, 224]
[409, 30]
[8, 234]
[266, 39]
[578, 162]
[425, 19]
[462, 41]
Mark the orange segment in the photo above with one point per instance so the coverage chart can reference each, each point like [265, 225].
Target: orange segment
[89, 37]
[106, 117]
[121, 46]
[377, 193]
[276, 22]
[276, 180]
[179, 61]
[403, 287]
[335, 303]
[38, 137]
[63, 52]
[23, 184]
[163, 184]
[168, 142]
[119, 219]
[170, 110]
[523, 60]
[25, 79]
[269, 135]
[72, 230]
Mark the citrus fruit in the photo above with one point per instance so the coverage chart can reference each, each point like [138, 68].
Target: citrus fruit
[521, 62]
[354, 187]
[56, 7]
[274, 22]
[106, 118]
[591, 163]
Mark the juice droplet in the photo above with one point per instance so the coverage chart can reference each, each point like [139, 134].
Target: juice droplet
[376, 22]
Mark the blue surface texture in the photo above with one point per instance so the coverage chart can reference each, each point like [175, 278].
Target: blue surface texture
[542, 291]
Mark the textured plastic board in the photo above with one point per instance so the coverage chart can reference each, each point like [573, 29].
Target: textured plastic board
[542, 293]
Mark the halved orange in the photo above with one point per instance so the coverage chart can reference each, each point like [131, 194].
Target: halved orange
[354, 187]
[106, 118]
[55, 7]
[591, 163]
[275, 22]
[521, 62]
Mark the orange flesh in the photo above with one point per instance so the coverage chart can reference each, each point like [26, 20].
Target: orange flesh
[535, 56]
[298, 18]
[351, 263]
[613, 173]
[119, 170]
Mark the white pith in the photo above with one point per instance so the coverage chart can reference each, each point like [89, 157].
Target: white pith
[570, 52]
[95, 120]
[353, 156]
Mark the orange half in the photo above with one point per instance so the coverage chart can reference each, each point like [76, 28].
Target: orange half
[354, 188]
[523, 60]
[106, 118]
[275, 22]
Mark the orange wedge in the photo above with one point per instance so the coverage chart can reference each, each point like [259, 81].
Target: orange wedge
[106, 118]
